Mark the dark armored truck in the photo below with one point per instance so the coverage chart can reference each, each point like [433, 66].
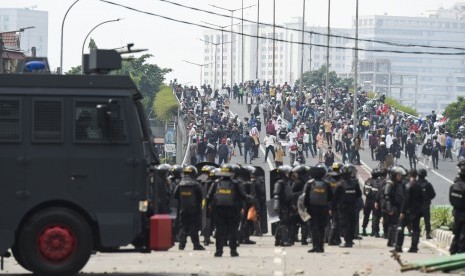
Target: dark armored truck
[76, 161]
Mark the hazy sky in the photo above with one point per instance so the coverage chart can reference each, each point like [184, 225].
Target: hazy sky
[171, 42]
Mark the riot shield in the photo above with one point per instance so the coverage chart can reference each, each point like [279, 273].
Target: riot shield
[203, 178]
[159, 192]
[274, 177]
[261, 198]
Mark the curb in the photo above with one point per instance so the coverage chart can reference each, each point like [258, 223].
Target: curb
[443, 237]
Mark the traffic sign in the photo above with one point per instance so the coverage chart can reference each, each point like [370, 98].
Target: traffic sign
[170, 147]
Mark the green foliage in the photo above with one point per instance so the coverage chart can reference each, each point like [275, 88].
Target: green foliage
[453, 112]
[165, 104]
[147, 77]
[74, 70]
[441, 217]
[393, 103]
[318, 78]
[92, 44]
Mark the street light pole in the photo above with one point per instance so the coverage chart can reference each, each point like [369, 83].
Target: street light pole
[201, 68]
[274, 38]
[258, 39]
[242, 40]
[356, 69]
[84, 42]
[327, 63]
[302, 49]
[216, 50]
[62, 27]
[232, 39]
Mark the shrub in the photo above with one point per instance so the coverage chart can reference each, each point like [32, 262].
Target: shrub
[165, 104]
[441, 217]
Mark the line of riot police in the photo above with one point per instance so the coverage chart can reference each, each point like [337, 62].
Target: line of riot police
[321, 204]
[228, 201]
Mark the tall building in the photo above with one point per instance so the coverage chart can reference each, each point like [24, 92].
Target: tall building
[14, 19]
[425, 82]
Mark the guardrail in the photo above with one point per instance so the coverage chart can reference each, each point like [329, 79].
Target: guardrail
[182, 146]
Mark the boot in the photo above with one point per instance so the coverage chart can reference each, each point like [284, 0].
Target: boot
[428, 236]
[415, 241]
[399, 239]
[364, 232]
[234, 252]
[218, 253]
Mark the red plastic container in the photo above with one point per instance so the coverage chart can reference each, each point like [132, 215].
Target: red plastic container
[160, 232]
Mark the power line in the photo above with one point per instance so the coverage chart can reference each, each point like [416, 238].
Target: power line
[317, 33]
[283, 40]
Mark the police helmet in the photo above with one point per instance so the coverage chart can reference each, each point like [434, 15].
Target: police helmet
[284, 170]
[206, 169]
[236, 168]
[337, 166]
[251, 170]
[190, 170]
[214, 173]
[397, 170]
[375, 173]
[422, 173]
[300, 170]
[318, 172]
[176, 171]
[226, 170]
[165, 168]
[383, 172]
[461, 165]
[349, 169]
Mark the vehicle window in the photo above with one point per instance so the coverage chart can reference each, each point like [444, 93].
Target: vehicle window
[91, 126]
[47, 120]
[10, 120]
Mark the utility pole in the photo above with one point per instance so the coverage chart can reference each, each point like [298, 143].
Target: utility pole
[274, 38]
[258, 39]
[356, 70]
[302, 50]
[327, 63]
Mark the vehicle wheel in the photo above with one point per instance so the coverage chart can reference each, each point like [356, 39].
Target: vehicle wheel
[17, 256]
[55, 241]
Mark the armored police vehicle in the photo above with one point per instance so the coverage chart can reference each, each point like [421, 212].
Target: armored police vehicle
[76, 167]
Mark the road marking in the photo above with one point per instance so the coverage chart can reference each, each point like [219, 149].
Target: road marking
[435, 247]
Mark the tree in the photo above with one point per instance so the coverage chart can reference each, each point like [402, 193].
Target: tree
[318, 78]
[77, 70]
[453, 112]
[165, 104]
[147, 77]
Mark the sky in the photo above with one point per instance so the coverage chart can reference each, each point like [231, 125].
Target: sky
[169, 42]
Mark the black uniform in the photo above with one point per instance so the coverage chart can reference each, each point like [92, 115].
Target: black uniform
[226, 197]
[334, 223]
[297, 222]
[371, 191]
[345, 200]
[393, 195]
[282, 194]
[246, 225]
[189, 196]
[457, 200]
[428, 194]
[318, 195]
[410, 215]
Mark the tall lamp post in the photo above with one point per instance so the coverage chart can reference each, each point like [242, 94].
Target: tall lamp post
[327, 63]
[62, 27]
[84, 42]
[222, 43]
[20, 30]
[274, 39]
[258, 39]
[356, 69]
[302, 49]
[201, 69]
[232, 39]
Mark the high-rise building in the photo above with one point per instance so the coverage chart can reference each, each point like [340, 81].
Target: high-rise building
[13, 19]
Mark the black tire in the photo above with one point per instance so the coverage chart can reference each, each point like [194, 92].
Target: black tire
[55, 241]
[17, 255]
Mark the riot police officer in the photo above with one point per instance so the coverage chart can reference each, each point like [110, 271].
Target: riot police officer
[346, 196]
[393, 195]
[226, 197]
[250, 190]
[318, 195]
[333, 177]
[370, 189]
[457, 200]
[163, 189]
[299, 178]
[206, 178]
[175, 179]
[428, 194]
[189, 196]
[381, 183]
[410, 214]
[282, 205]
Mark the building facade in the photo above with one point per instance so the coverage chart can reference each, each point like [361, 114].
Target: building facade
[37, 38]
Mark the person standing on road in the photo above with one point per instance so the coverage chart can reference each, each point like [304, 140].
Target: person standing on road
[318, 195]
[373, 143]
[248, 147]
[393, 197]
[328, 132]
[428, 194]
[269, 141]
[226, 197]
[223, 152]
[329, 157]
[346, 196]
[319, 145]
[457, 200]
[370, 190]
[279, 154]
[427, 151]
[282, 205]
[410, 153]
[189, 196]
[410, 214]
